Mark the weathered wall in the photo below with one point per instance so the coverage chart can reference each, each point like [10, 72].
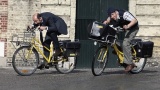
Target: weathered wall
[65, 9]
[15, 15]
[3, 23]
[148, 15]
[20, 15]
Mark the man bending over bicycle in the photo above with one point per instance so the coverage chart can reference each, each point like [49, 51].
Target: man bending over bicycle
[129, 23]
[54, 26]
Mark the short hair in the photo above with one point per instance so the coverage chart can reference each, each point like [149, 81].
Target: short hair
[39, 15]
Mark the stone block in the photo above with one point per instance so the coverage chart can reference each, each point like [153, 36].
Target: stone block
[147, 9]
[64, 2]
[148, 20]
[132, 3]
[67, 19]
[149, 31]
[73, 3]
[56, 9]
[148, 1]
[49, 1]
[3, 61]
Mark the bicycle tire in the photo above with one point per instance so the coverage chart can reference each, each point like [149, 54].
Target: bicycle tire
[23, 66]
[139, 66]
[97, 70]
[66, 66]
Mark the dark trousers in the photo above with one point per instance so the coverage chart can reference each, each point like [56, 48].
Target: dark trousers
[48, 39]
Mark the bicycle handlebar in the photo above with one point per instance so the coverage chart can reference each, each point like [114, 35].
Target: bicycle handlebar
[31, 29]
[117, 29]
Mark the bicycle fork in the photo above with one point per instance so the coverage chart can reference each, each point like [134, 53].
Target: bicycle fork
[103, 54]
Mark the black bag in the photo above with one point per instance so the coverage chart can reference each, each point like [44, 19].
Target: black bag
[144, 49]
[72, 49]
[99, 31]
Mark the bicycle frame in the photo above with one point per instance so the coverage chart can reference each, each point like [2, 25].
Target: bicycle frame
[34, 44]
[120, 53]
[104, 55]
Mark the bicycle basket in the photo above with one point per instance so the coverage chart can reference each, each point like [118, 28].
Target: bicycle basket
[28, 36]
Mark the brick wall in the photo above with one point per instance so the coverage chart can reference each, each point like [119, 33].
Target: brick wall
[3, 22]
[18, 19]
[20, 15]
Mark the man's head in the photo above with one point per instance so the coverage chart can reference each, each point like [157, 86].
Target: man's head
[112, 13]
[37, 19]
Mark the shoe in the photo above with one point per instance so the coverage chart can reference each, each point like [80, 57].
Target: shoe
[57, 52]
[43, 64]
[47, 66]
[129, 67]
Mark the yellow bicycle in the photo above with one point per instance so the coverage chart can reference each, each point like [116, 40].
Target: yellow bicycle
[140, 53]
[26, 58]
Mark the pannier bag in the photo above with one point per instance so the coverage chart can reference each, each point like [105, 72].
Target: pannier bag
[144, 49]
[72, 49]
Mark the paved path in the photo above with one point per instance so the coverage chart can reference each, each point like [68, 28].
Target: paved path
[81, 79]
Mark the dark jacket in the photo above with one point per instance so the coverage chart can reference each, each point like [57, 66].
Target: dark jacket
[54, 23]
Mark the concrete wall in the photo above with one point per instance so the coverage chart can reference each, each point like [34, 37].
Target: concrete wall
[148, 15]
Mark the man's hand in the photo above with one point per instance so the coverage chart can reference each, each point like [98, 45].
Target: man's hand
[125, 27]
[107, 21]
[29, 27]
[42, 28]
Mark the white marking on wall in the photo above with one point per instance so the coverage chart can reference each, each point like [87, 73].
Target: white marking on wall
[1, 49]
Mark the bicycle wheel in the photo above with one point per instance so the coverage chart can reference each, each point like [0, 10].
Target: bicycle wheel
[66, 65]
[24, 62]
[99, 61]
[139, 65]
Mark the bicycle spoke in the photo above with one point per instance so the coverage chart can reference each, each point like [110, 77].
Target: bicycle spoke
[99, 61]
[23, 65]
